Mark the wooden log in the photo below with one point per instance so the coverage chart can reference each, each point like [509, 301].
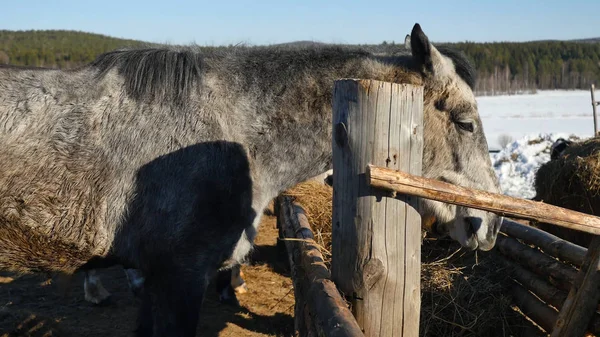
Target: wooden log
[320, 309]
[376, 240]
[559, 274]
[552, 245]
[582, 302]
[406, 183]
[594, 113]
[533, 308]
[302, 323]
[544, 290]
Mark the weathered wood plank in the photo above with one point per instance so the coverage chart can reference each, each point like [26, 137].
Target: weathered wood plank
[412, 297]
[582, 301]
[406, 183]
[376, 254]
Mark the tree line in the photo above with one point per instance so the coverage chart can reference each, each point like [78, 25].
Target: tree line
[502, 67]
[519, 67]
[56, 48]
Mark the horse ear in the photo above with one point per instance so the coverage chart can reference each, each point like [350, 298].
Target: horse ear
[407, 42]
[421, 49]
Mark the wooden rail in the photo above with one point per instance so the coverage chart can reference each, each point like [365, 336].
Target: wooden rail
[405, 183]
[551, 244]
[540, 277]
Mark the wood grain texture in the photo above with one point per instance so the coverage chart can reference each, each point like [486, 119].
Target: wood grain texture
[557, 273]
[406, 183]
[550, 244]
[376, 239]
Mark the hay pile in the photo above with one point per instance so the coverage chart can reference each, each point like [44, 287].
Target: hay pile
[316, 200]
[463, 293]
[572, 181]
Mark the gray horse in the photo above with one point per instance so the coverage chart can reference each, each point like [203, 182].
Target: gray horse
[162, 159]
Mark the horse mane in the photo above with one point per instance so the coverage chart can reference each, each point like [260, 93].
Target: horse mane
[170, 74]
[463, 66]
[156, 73]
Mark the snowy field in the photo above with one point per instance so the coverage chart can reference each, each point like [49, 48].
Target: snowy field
[557, 111]
[533, 122]
[517, 163]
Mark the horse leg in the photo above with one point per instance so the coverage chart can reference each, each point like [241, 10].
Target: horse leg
[93, 288]
[229, 283]
[237, 280]
[225, 288]
[171, 301]
[135, 279]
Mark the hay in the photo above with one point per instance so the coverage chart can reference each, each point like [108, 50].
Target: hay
[316, 200]
[463, 294]
[572, 181]
[466, 293]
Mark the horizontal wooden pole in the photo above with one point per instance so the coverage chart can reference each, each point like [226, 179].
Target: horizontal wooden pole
[559, 274]
[401, 182]
[533, 308]
[543, 289]
[550, 244]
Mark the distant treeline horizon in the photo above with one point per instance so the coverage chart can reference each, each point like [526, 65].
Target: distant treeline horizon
[503, 67]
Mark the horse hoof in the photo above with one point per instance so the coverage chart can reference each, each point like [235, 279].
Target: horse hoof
[242, 289]
[96, 294]
[99, 301]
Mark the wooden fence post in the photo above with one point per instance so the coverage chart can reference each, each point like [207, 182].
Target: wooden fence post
[594, 103]
[376, 242]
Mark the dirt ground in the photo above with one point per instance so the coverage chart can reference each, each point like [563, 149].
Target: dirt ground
[32, 306]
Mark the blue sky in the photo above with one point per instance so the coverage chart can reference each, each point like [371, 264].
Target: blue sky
[259, 22]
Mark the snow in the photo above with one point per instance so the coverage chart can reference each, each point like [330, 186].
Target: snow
[548, 111]
[530, 123]
[517, 163]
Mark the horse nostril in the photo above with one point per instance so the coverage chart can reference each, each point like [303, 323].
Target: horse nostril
[473, 225]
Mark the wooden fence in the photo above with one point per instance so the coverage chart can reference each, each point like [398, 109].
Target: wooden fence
[594, 104]
[579, 309]
[320, 310]
[377, 145]
[547, 270]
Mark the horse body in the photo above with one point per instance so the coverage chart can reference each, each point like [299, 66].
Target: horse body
[162, 159]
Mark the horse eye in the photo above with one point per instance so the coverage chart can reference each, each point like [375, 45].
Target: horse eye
[467, 126]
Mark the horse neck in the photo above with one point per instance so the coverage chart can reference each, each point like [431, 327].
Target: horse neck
[294, 143]
[296, 152]
[290, 137]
